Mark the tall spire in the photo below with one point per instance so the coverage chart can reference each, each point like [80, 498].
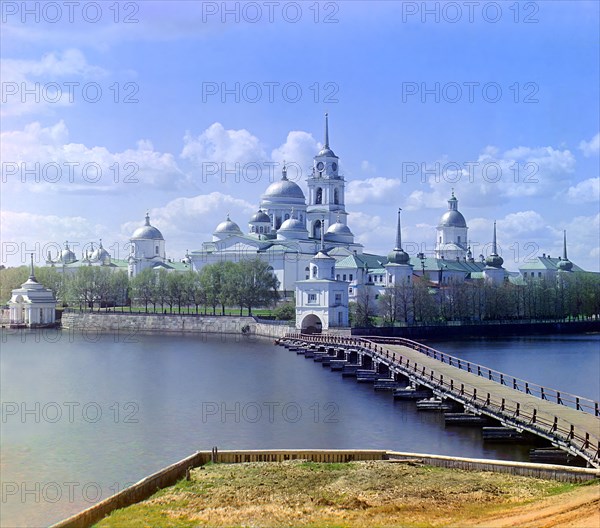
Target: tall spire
[565, 245]
[31, 272]
[494, 260]
[399, 233]
[326, 130]
[147, 218]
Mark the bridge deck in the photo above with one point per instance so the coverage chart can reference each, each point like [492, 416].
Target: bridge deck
[515, 403]
[546, 410]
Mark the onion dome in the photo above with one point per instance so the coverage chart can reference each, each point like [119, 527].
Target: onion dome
[227, 227]
[452, 217]
[147, 232]
[565, 264]
[66, 255]
[494, 260]
[398, 255]
[100, 254]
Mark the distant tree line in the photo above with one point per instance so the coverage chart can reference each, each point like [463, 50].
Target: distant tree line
[246, 284]
[572, 295]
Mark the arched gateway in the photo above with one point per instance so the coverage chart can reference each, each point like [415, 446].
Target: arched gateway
[311, 324]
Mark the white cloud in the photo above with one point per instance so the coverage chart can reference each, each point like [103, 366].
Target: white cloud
[218, 145]
[63, 166]
[373, 190]
[585, 191]
[187, 222]
[494, 177]
[591, 147]
[24, 233]
[297, 151]
[35, 85]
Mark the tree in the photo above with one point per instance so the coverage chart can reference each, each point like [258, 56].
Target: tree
[142, 286]
[255, 285]
[363, 310]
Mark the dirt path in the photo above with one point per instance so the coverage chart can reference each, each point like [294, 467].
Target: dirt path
[577, 509]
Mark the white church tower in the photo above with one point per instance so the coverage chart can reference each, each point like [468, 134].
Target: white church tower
[147, 248]
[325, 191]
[451, 243]
[321, 300]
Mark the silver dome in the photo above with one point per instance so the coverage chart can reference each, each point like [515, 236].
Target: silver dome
[228, 226]
[260, 217]
[326, 151]
[292, 224]
[398, 256]
[453, 218]
[67, 256]
[338, 229]
[284, 189]
[147, 232]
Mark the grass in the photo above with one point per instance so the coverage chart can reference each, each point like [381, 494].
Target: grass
[300, 493]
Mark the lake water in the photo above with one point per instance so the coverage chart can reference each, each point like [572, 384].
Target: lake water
[85, 415]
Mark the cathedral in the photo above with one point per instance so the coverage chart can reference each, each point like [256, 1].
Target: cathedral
[311, 249]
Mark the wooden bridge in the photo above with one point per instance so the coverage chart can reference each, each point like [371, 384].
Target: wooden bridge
[569, 422]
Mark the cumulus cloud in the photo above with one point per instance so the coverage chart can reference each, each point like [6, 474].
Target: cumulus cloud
[373, 190]
[43, 159]
[187, 222]
[35, 85]
[585, 191]
[494, 177]
[297, 152]
[218, 145]
[591, 147]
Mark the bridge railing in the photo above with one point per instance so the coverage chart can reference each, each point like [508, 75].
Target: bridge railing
[585, 443]
[574, 401]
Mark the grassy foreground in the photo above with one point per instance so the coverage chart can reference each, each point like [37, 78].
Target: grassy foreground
[356, 494]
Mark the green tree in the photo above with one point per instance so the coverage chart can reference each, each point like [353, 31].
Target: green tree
[142, 287]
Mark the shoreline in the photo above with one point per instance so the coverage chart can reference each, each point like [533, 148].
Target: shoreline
[173, 473]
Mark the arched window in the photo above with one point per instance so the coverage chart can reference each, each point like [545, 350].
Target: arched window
[319, 196]
[336, 197]
[277, 222]
[261, 230]
[314, 271]
[317, 229]
[286, 217]
[307, 271]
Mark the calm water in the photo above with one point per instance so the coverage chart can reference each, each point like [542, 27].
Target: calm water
[83, 416]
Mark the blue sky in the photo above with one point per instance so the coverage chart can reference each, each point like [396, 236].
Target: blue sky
[497, 100]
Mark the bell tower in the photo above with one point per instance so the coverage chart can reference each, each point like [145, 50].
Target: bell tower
[325, 191]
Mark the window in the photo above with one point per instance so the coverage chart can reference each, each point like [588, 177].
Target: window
[440, 240]
[261, 229]
[307, 271]
[319, 196]
[340, 320]
[335, 196]
[157, 250]
[286, 217]
[350, 277]
[370, 278]
[349, 290]
[317, 229]
[338, 298]
[337, 277]
[344, 276]
[458, 239]
[539, 273]
[376, 296]
[314, 271]
[312, 297]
